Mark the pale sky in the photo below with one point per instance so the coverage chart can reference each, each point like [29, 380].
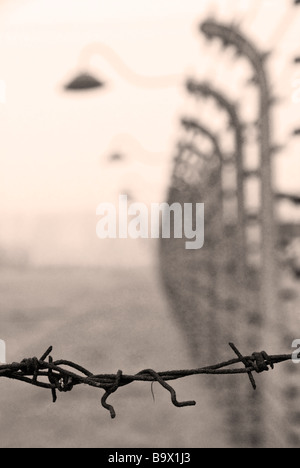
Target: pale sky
[54, 147]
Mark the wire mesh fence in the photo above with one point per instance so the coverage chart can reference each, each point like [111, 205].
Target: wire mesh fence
[236, 286]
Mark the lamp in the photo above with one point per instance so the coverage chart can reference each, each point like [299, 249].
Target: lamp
[83, 82]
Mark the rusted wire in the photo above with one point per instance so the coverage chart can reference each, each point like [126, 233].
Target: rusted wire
[60, 375]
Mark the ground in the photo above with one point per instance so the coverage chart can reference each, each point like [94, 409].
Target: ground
[105, 320]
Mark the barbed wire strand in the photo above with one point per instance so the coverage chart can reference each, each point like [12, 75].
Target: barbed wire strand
[32, 370]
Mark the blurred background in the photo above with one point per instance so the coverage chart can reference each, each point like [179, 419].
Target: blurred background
[92, 97]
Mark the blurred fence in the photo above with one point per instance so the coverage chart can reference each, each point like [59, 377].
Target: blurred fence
[236, 288]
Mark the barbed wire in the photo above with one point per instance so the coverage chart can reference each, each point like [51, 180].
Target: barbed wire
[57, 378]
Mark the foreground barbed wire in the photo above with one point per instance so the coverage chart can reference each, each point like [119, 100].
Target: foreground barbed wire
[52, 376]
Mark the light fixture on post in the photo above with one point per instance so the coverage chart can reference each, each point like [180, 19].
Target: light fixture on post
[83, 82]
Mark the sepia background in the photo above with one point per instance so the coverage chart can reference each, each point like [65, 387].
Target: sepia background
[133, 304]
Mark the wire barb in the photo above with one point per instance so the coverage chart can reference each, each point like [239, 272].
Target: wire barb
[57, 376]
[246, 364]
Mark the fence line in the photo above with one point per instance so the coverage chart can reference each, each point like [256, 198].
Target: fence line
[63, 380]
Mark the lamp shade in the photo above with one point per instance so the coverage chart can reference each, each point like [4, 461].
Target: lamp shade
[83, 82]
[116, 157]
